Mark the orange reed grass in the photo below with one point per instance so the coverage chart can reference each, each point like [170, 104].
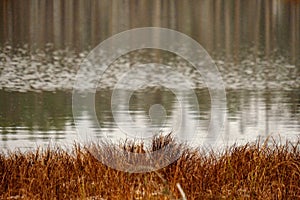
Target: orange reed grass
[251, 171]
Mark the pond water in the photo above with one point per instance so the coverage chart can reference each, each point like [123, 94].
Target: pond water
[31, 119]
[255, 45]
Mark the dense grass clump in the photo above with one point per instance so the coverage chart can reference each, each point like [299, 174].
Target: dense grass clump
[251, 171]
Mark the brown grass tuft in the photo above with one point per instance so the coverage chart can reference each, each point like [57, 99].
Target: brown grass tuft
[251, 171]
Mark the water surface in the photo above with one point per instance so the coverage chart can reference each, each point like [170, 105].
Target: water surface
[31, 119]
[255, 45]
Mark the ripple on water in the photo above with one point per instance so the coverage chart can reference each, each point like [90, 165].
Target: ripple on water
[56, 70]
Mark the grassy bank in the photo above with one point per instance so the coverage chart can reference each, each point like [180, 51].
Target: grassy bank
[251, 171]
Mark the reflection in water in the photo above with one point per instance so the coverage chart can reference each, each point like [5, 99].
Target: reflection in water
[255, 45]
[26, 118]
[36, 118]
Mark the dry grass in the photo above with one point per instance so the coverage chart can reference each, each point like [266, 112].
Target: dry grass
[251, 171]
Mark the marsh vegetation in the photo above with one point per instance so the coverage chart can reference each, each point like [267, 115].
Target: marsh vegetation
[261, 170]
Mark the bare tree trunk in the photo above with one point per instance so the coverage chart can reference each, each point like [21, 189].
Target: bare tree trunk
[227, 29]
[57, 24]
[69, 23]
[237, 31]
